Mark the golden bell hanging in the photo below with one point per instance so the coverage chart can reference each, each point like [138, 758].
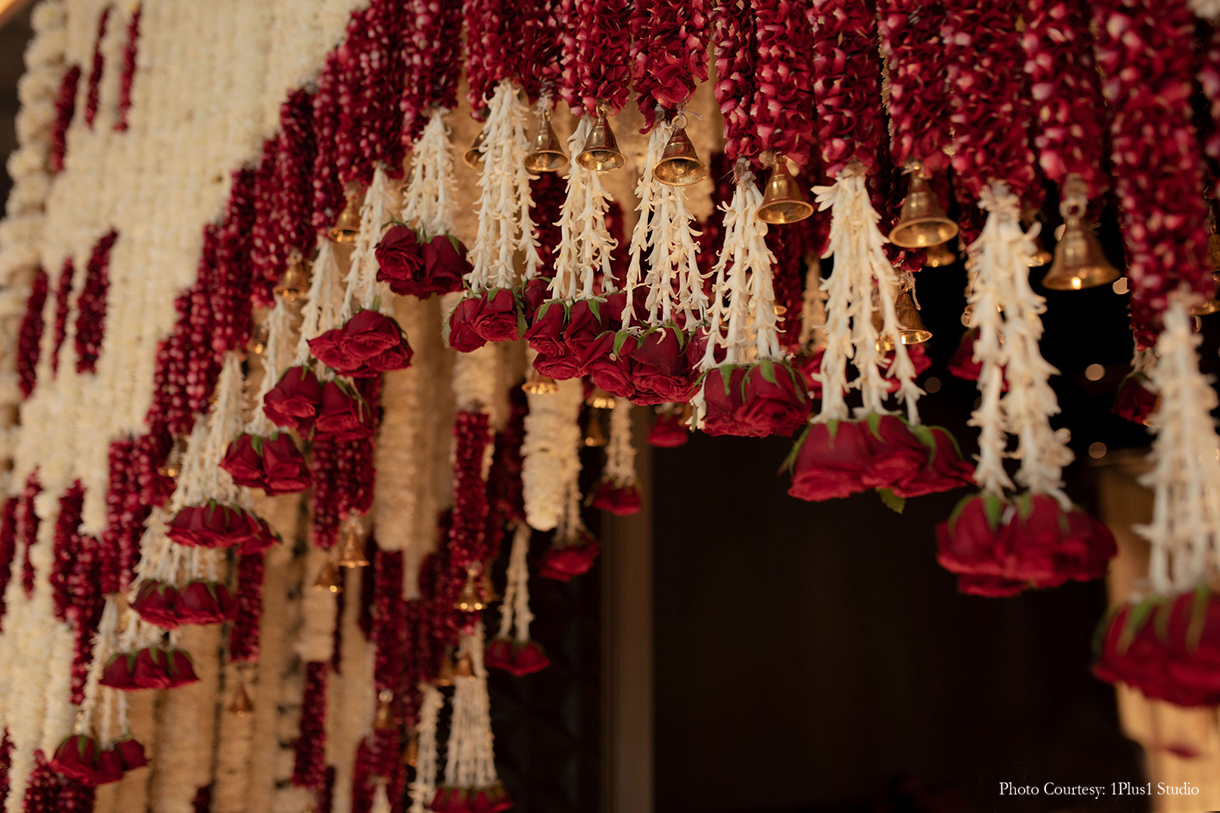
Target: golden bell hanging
[328, 578]
[939, 256]
[1206, 309]
[1079, 261]
[410, 754]
[444, 675]
[600, 399]
[539, 384]
[546, 154]
[679, 164]
[911, 329]
[783, 200]
[295, 282]
[601, 152]
[885, 342]
[463, 668]
[351, 552]
[384, 718]
[172, 466]
[241, 705]
[595, 438]
[257, 342]
[347, 227]
[469, 600]
[922, 222]
[473, 156]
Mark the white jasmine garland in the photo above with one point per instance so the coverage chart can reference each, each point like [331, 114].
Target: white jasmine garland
[431, 193]
[423, 787]
[274, 359]
[551, 453]
[324, 308]
[470, 759]
[1206, 9]
[515, 613]
[585, 245]
[363, 289]
[620, 453]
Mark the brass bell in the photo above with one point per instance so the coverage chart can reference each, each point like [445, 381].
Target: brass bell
[469, 600]
[295, 282]
[347, 227]
[257, 343]
[463, 668]
[539, 384]
[241, 705]
[474, 154]
[328, 578]
[1079, 261]
[384, 719]
[444, 675]
[679, 164]
[546, 154]
[885, 342]
[601, 152]
[172, 466]
[939, 256]
[911, 329]
[351, 552]
[410, 754]
[783, 200]
[595, 438]
[600, 399]
[1206, 309]
[922, 222]
[1213, 251]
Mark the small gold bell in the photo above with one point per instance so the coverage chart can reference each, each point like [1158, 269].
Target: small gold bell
[410, 754]
[595, 438]
[601, 152]
[468, 600]
[384, 719]
[539, 384]
[600, 399]
[347, 227]
[783, 200]
[172, 466]
[328, 578]
[885, 342]
[351, 552]
[257, 342]
[463, 668]
[546, 154]
[679, 164]
[241, 705]
[911, 329]
[295, 282]
[474, 155]
[922, 222]
[1079, 261]
[444, 675]
[939, 255]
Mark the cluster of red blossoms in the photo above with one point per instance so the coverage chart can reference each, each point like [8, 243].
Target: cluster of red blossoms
[367, 345]
[466, 800]
[1001, 548]
[622, 501]
[493, 317]
[596, 47]
[274, 463]
[413, 268]
[1168, 647]
[840, 458]
[669, 41]
[519, 658]
[196, 602]
[81, 758]
[735, 44]
[300, 401]
[847, 84]
[91, 304]
[216, 525]
[1135, 399]
[918, 105]
[65, 111]
[98, 65]
[669, 430]
[149, 668]
[755, 400]
[569, 557]
[29, 338]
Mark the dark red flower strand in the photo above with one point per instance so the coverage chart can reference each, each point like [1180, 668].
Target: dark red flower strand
[847, 84]
[65, 110]
[735, 48]
[309, 767]
[596, 49]
[130, 51]
[29, 338]
[97, 65]
[91, 304]
[431, 56]
[243, 637]
[669, 40]
[783, 107]
[919, 99]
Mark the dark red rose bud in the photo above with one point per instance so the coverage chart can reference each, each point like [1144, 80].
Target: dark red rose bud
[545, 334]
[809, 365]
[157, 603]
[499, 654]
[77, 758]
[179, 669]
[963, 365]
[660, 368]
[528, 658]
[120, 672]
[989, 586]
[1049, 546]
[259, 537]
[828, 461]
[1138, 645]
[400, 261]
[622, 501]
[243, 461]
[567, 559]
[206, 526]
[343, 414]
[946, 470]
[497, 321]
[131, 754]
[461, 333]
[668, 431]
[445, 265]
[204, 602]
[895, 454]
[370, 343]
[285, 470]
[974, 540]
[535, 293]
[1135, 399]
[756, 401]
[294, 400]
[109, 768]
[151, 669]
[919, 359]
[587, 320]
[606, 362]
[1193, 640]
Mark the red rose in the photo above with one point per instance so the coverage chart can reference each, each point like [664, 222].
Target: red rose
[809, 365]
[1193, 639]
[895, 454]
[660, 369]
[400, 261]
[573, 558]
[587, 320]
[445, 265]
[963, 365]
[1133, 653]
[622, 501]
[828, 461]
[243, 462]
[499, 654]
[257, 535]
[668, 431]
[758, 400]
[76, 758]
[151, 669]
[204, 602]
[1048, 546]
[109, 768]
[528, 658]
[120, 672]
[606, 363]
[1135, 399]
[285, 470]
[534, 293]
[157, 603]
[497, 319]
[974, 540]
[945, 469]
[368, 344]
[131, 754]
[343, 413]
[462, 335]
[205, 526]
[486, 800]
[450, 800]
[179, 669]
[294, 400]
[545, 334]
[972, 584]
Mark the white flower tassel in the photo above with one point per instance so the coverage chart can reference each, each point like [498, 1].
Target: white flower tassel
[551, 454]
[470, 761]
[423, 789]
[381, 800]
[1185, 527]
[1205, 9]
[664, 232]
[326, 295]
[515, 613]
[362, 287]
[585, 247]
[505, 226]
[620, 453]
[813, 309]
[274, 358]
[431, 193]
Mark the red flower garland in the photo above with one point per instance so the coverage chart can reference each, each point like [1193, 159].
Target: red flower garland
[431, 56]
[91, 304]
[29, 339]
[847, 84]
[783, 107]
[42, 787]
[127, 76]
[1148, 58]
[65, 110]
[1064, 85]
[309, 766]
[389, 637]
[267, 255]
[202, 364]
[735, 46]
[6, 764]
[65, 547]
[96, 67]
[472, 433]
[231, 281]
[63, 296]
[919, 99]
[669, 40]
[491, 43]
[539, 62]
[327, 188]
[382, 69]
[27, 530]
[323, 473]
[8, 549]
[291, 198]
[596, 46]
[243, 637]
